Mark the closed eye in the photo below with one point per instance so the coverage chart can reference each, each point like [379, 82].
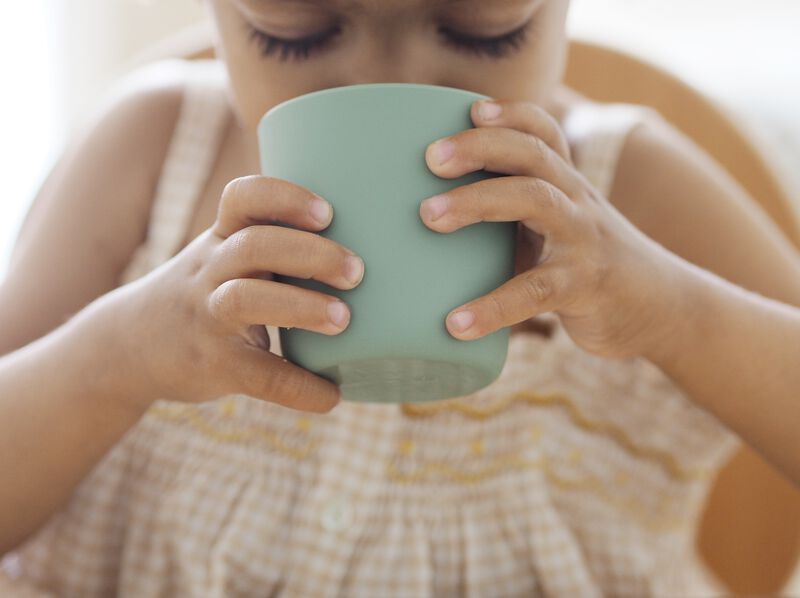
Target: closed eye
[300, 49]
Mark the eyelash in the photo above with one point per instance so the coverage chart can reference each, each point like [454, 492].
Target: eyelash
[299, 49]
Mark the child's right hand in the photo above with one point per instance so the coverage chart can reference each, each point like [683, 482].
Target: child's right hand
[196, 323]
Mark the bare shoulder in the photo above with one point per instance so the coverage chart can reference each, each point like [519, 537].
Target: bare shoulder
[680, 196]
[130, 133]
[123, 141]
[91, 211]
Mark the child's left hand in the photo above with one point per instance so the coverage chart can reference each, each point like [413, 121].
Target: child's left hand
[610, 284]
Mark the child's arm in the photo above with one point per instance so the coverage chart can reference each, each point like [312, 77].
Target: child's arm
[62, 406]
[737, 354]
[89, 215]
[83, 225]
[191, 330]
[682, 198]
[620, 293]
[92, 209]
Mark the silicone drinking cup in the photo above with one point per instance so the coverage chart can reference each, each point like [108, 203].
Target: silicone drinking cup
[362, 148]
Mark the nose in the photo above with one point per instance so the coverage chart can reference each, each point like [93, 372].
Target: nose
[390, 59]
[379, 71]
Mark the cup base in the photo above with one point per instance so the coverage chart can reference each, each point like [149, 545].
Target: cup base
[405, 380]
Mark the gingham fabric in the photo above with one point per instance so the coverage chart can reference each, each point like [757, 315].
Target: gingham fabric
[570, 475]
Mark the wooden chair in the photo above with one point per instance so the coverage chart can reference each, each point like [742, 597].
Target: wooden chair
[749, 535]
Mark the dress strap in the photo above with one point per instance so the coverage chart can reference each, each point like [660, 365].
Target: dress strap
[597, 133]
[189, 161]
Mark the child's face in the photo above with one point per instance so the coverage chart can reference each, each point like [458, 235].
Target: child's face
[371, 41]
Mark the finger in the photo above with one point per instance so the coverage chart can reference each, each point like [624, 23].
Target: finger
[523, 116]
[243, 302]
[287, 251]
[500, 150]
[536, 203]
[264, 375]
[536, 291]
[257, 199]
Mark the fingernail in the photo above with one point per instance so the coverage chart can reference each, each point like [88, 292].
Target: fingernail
[337, 312]
[443, 150]
[353, 268]
[489, 110]
[434, 207]
[320, 210]
[462, 320]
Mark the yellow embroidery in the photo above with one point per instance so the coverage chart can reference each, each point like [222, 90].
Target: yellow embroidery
[586, 484]
[477, 447]
[190, 415]
[575, 456]
[663, 458]
[536, 433]
[229, 408]
[405, 447]
[434, 467]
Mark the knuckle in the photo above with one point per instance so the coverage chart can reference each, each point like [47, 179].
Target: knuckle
[547, 196]
[275, 187]
[538, 115]
[244, 243]
[601, 274]
[278, 381]
[550, 197]
[539, 149]
[229, 194]
[536, 288]
[288, 384]
[531, 186]
[548, 119]
[497, 307]
[549, 126]
[226, 300]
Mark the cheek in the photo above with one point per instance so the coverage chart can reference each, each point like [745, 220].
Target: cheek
[249, 98]
[553, 44]
[256, 85]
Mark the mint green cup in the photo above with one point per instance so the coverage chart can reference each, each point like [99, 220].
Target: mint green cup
[362, 148]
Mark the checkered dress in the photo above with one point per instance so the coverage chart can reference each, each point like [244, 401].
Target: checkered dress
[570, 475]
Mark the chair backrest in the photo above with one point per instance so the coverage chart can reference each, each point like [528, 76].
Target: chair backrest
[609, 75]
[749, 535]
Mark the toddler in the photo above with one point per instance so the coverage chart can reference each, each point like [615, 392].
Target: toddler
[204, 464]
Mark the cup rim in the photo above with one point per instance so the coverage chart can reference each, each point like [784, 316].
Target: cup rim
[366, 86]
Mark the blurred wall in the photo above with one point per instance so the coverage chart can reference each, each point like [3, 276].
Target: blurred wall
[98, 38]
[29, 110]
[744, 54]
